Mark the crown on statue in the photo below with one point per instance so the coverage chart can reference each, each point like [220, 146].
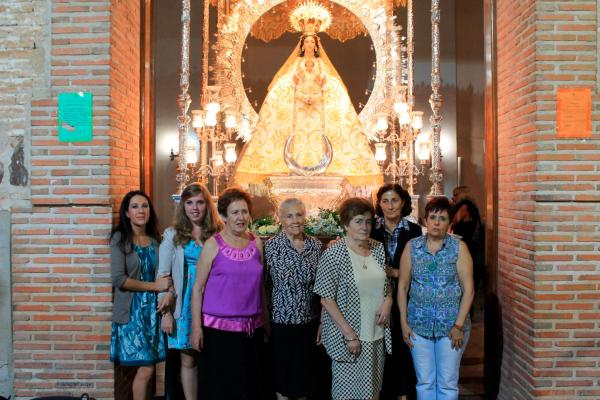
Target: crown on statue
[310, 17]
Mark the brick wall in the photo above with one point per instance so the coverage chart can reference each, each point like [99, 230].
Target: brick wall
[567, 229]
[24, 74]
[516, 167]
[549, 206]
[60, 261]
[125, 97]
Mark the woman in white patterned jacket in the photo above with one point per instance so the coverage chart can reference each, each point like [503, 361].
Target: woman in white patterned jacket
[356, 296]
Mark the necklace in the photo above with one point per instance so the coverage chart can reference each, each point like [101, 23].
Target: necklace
[360, 256]
[365, 262]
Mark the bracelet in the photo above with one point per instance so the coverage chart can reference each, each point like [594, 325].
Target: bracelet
[350, 340]
[460, 328]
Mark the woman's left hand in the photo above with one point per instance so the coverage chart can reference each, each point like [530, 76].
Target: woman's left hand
[457, 337]
[167, 323]
[319, 340]
[391, 273]
[164, 304]
[383, 313]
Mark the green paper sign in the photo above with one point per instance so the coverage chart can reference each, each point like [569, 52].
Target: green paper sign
[75, 117]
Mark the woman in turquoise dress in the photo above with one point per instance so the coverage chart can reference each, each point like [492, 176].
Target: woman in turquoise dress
[195, 221]
[136, 339]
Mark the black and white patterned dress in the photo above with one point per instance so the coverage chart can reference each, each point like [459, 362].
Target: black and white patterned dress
[294, 313]
[354, 377]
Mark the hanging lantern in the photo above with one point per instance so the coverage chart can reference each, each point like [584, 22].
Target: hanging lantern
[191, 154]
[382, 123]
[404, 118]
[210, 120]
[423, 148]
[213, 107]
[400, 107]
[230, 154]
[230, 122]
[197, 122]
[417, 120]
[380, 152]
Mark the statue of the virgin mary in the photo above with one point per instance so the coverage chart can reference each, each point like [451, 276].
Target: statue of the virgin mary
[307, 124]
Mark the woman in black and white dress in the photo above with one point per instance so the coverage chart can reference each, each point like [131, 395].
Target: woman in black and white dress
[291, 261]
[356, 296]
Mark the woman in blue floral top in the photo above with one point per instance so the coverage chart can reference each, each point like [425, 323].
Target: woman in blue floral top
[435, 323]
[136, 339]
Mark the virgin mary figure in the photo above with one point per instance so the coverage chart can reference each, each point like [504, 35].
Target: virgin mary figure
[307, 124]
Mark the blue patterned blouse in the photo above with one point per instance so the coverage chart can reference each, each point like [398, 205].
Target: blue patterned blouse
[180, 339]
[140, 341]
[435, 290]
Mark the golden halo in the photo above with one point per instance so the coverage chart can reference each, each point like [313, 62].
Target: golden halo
[310, 17]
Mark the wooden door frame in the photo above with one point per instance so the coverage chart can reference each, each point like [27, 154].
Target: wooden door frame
[147, 129]
[493, 332]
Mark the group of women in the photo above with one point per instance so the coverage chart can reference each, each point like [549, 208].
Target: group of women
[387, 303]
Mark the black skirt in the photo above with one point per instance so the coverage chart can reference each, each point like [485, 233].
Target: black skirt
[399, 378]
[293, 355]
[230, 366]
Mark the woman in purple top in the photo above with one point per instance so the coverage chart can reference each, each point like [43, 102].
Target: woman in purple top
[228, 305]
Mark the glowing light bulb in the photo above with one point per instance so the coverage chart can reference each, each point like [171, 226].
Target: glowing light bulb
[191, 155]
[423, 149]
[400, 107]
[380, 153]
[210, 120]
[230, 122]
[213, 107]
[404, 118]
[382, 123]
[417, 120]
[197, 122]
[230, 154]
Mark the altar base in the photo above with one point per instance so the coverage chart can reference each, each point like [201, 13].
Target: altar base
[314, 191]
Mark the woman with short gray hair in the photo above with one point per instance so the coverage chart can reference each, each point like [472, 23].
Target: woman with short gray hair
[291, 259]
[356, 296]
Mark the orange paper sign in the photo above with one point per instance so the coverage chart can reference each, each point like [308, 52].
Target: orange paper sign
[574, 112]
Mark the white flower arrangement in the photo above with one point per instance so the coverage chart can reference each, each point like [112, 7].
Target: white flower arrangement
[326, 222]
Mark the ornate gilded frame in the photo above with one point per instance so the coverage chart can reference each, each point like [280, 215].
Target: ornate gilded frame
[236, 26]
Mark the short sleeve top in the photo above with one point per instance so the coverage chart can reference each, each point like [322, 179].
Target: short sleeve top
[435, 290]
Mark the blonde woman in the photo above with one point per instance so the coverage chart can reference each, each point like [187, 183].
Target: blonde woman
[195, 221]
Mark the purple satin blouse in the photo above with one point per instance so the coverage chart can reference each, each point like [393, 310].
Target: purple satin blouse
[233, 288]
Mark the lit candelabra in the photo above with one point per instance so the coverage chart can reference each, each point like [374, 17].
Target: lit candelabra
[210, 156]
[401, 129]
[215, 129]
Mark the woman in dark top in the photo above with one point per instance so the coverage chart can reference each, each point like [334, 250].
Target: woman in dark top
[466, 223]
[394, 230]
[291, 260]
